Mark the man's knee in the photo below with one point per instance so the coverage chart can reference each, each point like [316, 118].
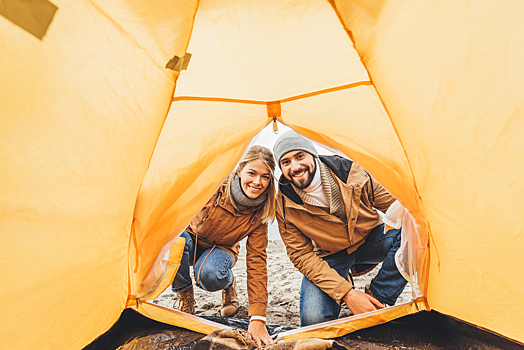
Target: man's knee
[313, 315]
[395, 234]
[315, 305]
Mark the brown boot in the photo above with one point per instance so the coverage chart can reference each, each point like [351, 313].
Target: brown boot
[360, 270]
[229, 301]
[185, 301]
[368, 292]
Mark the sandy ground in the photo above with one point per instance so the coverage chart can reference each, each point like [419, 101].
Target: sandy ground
[283, 287]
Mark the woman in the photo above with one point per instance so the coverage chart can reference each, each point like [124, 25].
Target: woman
[241, 207]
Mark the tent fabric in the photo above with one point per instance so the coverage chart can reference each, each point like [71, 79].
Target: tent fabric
[338, 328]
[81, 111]
[411, 248]
[101, 170]
[449, 74]
[176, 318]
[168, 269]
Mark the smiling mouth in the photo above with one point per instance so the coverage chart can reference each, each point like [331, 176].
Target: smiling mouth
[299, 173]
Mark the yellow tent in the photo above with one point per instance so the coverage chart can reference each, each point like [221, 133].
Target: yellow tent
[108, 146]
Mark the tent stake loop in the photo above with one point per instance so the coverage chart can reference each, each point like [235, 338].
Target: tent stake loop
[274, 111]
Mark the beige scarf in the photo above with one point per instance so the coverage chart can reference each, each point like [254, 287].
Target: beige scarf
[332, 191]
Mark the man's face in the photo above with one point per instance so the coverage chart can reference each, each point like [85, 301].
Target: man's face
[299, 167]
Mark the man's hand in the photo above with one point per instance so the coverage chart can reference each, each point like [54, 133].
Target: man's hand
[359, 302]
[257, 330]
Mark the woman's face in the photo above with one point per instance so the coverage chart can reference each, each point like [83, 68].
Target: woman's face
[254, 178]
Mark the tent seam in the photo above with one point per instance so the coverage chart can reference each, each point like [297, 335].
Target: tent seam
[288, 99]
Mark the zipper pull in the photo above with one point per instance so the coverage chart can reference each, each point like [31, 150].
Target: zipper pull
[274, 112]
[201, 222]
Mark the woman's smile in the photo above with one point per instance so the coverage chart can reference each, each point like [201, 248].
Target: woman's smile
[254, 178]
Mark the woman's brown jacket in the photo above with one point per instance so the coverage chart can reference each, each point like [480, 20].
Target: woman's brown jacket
[217, 224]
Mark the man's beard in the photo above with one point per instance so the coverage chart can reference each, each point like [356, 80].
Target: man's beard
[303, 183]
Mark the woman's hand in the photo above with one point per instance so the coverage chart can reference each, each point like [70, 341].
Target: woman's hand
[257, 330]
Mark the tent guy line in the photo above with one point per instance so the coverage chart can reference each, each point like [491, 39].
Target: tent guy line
[289, 99]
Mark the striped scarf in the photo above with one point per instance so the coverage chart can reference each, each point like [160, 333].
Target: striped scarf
[332, 191]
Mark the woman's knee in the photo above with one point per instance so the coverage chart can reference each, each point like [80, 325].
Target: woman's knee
[211, 282]
[211, 278]
[189, 241]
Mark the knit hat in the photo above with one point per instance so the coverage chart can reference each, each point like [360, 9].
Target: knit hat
[291, 141]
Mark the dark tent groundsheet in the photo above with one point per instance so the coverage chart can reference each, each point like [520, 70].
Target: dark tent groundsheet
[425, 330]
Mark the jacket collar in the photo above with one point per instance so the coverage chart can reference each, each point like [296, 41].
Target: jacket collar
[338, 165]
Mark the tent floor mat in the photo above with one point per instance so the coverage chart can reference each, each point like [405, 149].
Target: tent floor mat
[425, 330]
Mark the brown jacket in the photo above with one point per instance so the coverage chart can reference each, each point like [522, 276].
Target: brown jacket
[217, 224]
[310, 233]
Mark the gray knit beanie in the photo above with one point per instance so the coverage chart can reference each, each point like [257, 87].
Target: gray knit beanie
[291, 141]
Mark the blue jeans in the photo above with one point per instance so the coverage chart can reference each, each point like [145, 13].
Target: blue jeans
[316, 306]
[212, 270]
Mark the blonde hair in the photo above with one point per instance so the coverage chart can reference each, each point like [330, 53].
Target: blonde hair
[265, 155]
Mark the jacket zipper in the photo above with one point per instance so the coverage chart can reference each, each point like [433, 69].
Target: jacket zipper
[349, 216]
[201, 222]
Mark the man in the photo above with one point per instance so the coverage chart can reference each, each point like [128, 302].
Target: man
[327, 217]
